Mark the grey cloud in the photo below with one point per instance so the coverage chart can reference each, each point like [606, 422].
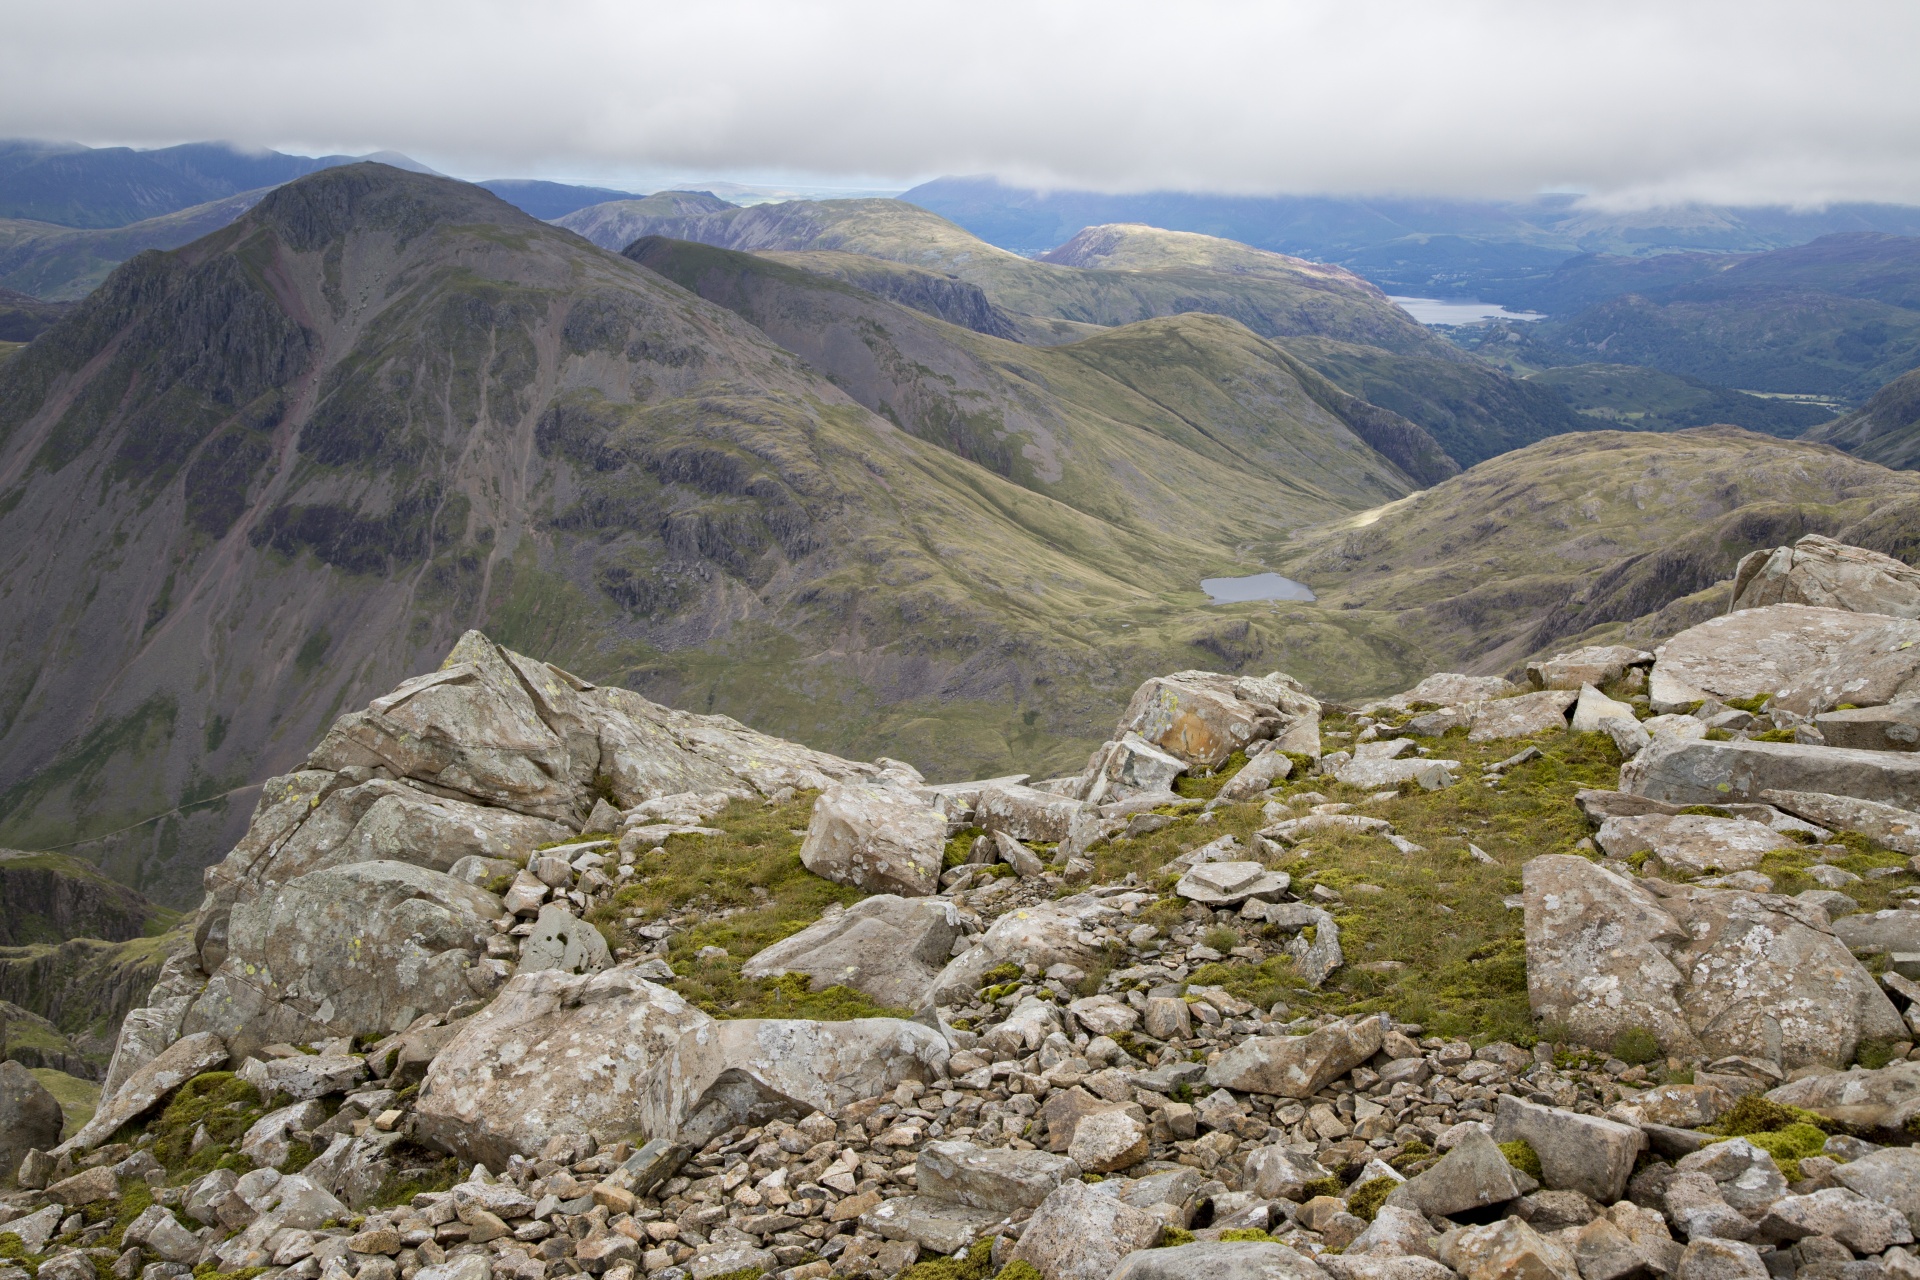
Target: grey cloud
[1638, 103]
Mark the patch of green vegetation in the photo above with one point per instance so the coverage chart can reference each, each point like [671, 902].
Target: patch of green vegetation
[1173, 1238]
[14, 1251]
[1790, 1145]
[1328, 1186]
[1751, 705]
[1019, 1270]
[1254, 1235]
[219, 1100]
[1205, 786]
[1414, 1152]
[977, 1265]
[77, 1097]
[210, 1271]
[1874, 1054]
[1521, 1155]
[1636, 1046]
[1263, 984]
[1005, 972]
[1364, 1201]
[417, 1169]
[1221, 938]
[1757, 1114]
[960, 847]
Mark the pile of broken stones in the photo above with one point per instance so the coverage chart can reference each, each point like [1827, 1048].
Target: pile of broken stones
[395, 957]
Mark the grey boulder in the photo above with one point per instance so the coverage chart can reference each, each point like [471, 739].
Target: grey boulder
[1751, 652]
[1890, 1176]
[990, 1177]
[1882, 1099]
[1473, 1175]
[1298, 1066]
[881, 839]
[562, 940]
[1219, 1260]
[1693, 844]
[1818, 570]
[1702, 772]
[1893, 727]
[890, 947]
[1078, 1234]
[1577, 1152]
[30, 1116]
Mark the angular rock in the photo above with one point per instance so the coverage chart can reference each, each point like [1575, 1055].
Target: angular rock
[1522, 716]
[1861, 1224]
[1747, 1176]
[1473, 1175]
[1228, 884]
[1897, 828]
[1076, 1234]
[1882, 1099]
[1294, 830]
[1577, 1152]
[1297, 1066]
[1026, 813]
[940, 1226]
[89, 1186]
[1108, 1141]
[1877, 666]
[1896, 929]
[1703, 970]
[1196, 716]
[1219, 1260]
[1507, 1250]
[890, 947]
[1595, 708]
[1890, 1176]
[1818, 570]
[1749, 653]
[30, 1117]
[1104, 1015]
[1131, 766]
[1394, 1232]
[1043, 935]
[1602, 1251]
[148, 1087]
[1275, 1173]
[614, 1056]
[877, 838]
[35, 1229]
[159, 1231]
[990, 1178]
[1427, 774]
[1698, 1211]
[1595, 665]
[1893, 727]
[1712, 1258]
[268, 1141]
[1691, 844]
[304, 1075]
[722, 1260]
[1680, 1106]
[562, 940]
[1263, 771]
[1446, 689]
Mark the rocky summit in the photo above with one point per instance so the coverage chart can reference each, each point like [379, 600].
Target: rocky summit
[518, 976]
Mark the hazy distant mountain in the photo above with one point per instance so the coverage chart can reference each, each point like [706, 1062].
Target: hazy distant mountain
[24, 318]
[1886, 429]
[550, 200]
[1491, 250]
[63, 263]
[76, 186]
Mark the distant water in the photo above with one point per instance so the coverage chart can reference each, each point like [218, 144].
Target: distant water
[1259, 586]
[1456, 311]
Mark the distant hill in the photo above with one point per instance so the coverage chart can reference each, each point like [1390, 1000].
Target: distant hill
[66, 263]
[1495, 251]
[1886, 429]
[71, 185]
[24, 318]
[550, 200]
[1643, 399]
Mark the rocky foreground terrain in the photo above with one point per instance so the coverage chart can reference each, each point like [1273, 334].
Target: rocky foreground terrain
[521, 977]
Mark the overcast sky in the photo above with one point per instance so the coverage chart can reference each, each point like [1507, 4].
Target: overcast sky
[1631, 102]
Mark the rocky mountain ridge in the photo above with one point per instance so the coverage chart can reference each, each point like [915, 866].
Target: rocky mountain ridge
[1718, 1082]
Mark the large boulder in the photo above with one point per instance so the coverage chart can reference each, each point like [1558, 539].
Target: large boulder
[881, 839]
[1751, 652]
[1473, 1175]
[1878, 666]
[1820, 571]
[1704, 971]
[616, 1057]
[1890, 1176]
[30, 1117]
[1446, 689]
[1202, 717]
[1026, 813]
[1522, 716]
[358, 949]
[1582, 1153]
[1040, 936]
[1129, 766]
[1219, 1260]
[1892, 727]
[1079, 1234]
[1895, 827]
[147, 1088]
[889, 947]
[1702, 772]
[989, 1177]
[1885, 1098]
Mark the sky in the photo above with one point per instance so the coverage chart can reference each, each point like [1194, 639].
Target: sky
[1632, 103]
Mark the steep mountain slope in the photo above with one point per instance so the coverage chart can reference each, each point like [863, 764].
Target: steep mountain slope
[1886, 429]
[1588, 531]
[1185, 423]
[615, 224]
[24, 318]
[61, 263]
[1334, 304]
[256, 479]
[76, 186]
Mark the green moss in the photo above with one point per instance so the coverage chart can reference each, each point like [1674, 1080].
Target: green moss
[1874, 1054]
[1757, 1114]
[1262, 983]
[1751, 705]
[977, 1265]
[960, 847]
[1173, 1237]
[1774, 735]
[1365, 1200]
[1636, 1045]
[208, 1271]
[1329, 1186]
[1205, 786]
[1019, 1270]
[1414, 1152]
[219, 1100]
[741, 1273]
[1221, 938]
[1521, 1155]
[403, 1184]
[14, 1251]
[1254, 1235]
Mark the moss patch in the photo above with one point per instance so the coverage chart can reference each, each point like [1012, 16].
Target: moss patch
[1364, 1201]
[1521, 1155]
[220, 1101]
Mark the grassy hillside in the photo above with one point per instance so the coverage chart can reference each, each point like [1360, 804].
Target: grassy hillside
[1886, 429]
[64, 263]
[1594, 530]
[382, 407]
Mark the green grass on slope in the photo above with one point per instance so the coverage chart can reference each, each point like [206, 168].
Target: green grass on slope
[77, 1097]
[1642, 399]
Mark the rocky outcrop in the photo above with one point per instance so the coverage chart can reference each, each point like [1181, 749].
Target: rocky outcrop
[882, 839]
[1702, 772]
[1819, 571]
[29, 1117]
[1704, 971]
[1752, 652]
[889, 947]
[49, 898]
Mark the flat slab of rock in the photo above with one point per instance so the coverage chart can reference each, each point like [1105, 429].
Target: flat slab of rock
[1077, 1234]
[1521, 717]
[1742, 772]
[1893, 727]
[1895, 827]
[1881, 1099]
[940, 1226]
[1228, 884]
[1878, 666]
[1027, 813]
[1594, 665]
[1895, 929]
[1577, 1152]
[1890, 1176]
[1219, 1260]
[1691, 843]
[890, 947]
[1447, 689]
[1595, 707]
[1294, 830]
[1045, 934]
[148, 1087]
[1376, 774]
[990, 1177]
[1745, 654]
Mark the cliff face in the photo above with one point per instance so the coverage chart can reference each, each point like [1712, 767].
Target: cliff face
[49, 898]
